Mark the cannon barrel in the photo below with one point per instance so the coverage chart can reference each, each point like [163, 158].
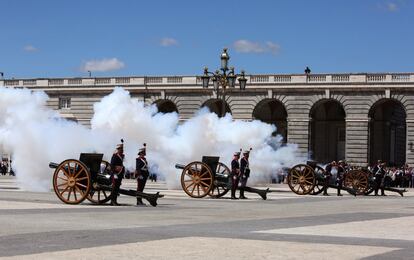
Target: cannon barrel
[53, 165]
[180, 166]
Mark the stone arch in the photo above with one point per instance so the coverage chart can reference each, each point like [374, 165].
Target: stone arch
[387, 132]
[217, 106]
[165, 106]
[272, 111]
[327, 130]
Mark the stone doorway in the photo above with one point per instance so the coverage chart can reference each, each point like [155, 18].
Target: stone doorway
[272, 111]
[217, 106]
[327, 131]
[387, 132]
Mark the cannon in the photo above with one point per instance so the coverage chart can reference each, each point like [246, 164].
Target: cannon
[309, 178]
[372, 184]
[89, 178]
[209, 177]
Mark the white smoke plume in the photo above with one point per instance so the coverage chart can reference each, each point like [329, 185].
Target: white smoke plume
[35, 136]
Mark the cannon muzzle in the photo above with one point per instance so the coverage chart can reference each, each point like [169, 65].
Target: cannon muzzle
[53, 165]
[180, 166]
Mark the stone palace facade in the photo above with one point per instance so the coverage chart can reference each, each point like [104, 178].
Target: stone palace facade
[357, 117]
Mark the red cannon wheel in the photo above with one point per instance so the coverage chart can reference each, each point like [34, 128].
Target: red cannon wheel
[72, 181]
[197, 179]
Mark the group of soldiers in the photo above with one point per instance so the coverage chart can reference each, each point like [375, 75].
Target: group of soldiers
[118, 171]
[340, 168]
[240, 173]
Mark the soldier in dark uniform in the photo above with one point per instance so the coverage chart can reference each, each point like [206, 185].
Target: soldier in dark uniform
[340, 175]
[379, 174]
[235, 174]
[141, 172]
[244, 173]
[117, 172]
[329, 169]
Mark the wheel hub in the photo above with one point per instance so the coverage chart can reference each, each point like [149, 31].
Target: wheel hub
[302, 179]
[197, 179]
[71, 182]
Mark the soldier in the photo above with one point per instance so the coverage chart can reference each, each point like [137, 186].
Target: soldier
[379, 174]
[235, 174]
[117, 172]
[141, 171]
[340, 175]
[244, 172]
[329, 169]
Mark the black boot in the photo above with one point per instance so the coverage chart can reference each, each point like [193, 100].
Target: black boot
[242, 197]
[339, 193]
[113, 200]
[233, 194]
[139, 202]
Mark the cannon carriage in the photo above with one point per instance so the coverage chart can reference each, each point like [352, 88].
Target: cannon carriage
[89, 178]
[372, 184]
[210, 177]
[206, 177]
[310, 178]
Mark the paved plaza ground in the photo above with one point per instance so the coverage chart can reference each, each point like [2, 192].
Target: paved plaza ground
[286, 226]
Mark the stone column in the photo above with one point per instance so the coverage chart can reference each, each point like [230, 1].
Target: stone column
[298, 133]
[357, 141]
[409, 158]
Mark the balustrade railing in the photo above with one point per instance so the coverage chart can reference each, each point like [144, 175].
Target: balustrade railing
[154, 80]
[54, 82]
[11, 82]
[174, 79]
[75, 81]
[29, 82]
[282, 78]
[340, 78]
[397, 78]
[401, 77]
[100, 81]
[123, 80]
[317, 78]
[376, 77]
[258, 79]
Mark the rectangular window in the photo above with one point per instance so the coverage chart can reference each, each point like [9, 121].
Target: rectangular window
[64, 103]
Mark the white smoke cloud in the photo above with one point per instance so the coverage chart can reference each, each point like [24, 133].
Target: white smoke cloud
[205, 134]
[35, 136]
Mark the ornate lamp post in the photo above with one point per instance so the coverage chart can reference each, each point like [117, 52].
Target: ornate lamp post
[224, 78]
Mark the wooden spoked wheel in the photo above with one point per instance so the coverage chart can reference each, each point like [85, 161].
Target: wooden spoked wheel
[301, 179]
[357, 180]
[72, 181]
[319, 171]
[97, 195]
[221, 181]
[197, 179]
